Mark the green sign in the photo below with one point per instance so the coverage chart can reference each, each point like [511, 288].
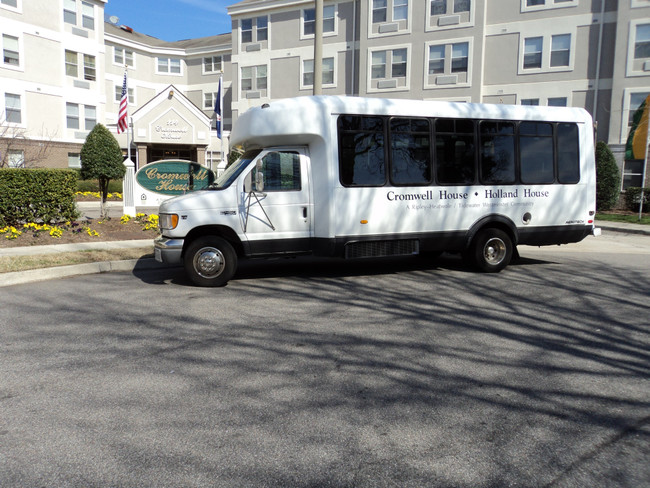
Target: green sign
[171, 177]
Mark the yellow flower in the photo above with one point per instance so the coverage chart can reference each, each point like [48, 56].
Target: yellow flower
[124, 219]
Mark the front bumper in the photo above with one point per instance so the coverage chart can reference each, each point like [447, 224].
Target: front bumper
[168, 250]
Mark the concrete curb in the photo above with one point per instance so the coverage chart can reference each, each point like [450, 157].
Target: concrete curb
[33, 275]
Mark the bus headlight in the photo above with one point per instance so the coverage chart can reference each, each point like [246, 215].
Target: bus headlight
[168, 221]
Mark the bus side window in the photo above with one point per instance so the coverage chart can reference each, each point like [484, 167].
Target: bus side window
[455, 152]
[568, 153]
[410, 151]
[497, 152]
[536, 152]
[361, 151]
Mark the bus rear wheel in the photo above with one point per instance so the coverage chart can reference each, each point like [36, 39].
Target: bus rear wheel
[210, 261]
[491, 250]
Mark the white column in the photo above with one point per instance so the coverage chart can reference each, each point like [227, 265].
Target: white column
[128, 188]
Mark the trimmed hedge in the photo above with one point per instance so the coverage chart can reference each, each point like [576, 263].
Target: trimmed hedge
[633, 197]
[37, 195]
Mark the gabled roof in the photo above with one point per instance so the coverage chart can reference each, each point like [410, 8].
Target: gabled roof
[128, 34]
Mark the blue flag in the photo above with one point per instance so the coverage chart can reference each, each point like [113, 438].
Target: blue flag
[218, 109]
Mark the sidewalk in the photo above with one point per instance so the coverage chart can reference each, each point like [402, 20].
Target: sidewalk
[15, 278]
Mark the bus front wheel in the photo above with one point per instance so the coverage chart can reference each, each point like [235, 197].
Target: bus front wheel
[491, 250]
[210, 261]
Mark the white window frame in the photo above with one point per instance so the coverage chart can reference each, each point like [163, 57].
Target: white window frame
[68, 11]
[117, 92]
[66, 63]
[82, 112]
[212, 63]
[263, 92]
[447, 62]
[303, 71]
[85, 16]
[74, 160]
[16, 67]
[451, 19]
[335, 8]
[168, 63]
[13, 161]
[548, 5]
[630, 62]
[209, 99]
[18, 8]
[390, 27]
[389, 75]
[547, 36]
[265, 43]
[122, 52]
[72, 116]
[625, 112]
[21, 108]
[89, 70]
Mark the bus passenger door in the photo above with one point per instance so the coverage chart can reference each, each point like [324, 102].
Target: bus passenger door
[277, 209]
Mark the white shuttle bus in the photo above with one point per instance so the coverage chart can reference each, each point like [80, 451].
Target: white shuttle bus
[367, 177]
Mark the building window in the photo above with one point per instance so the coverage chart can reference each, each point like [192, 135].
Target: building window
[531, 5]
[389, 69]
[118, 94]
[530, 101]
[209, 99]
[254, 30]
[557, 102]
[16, 158]
[72, 116]
[533, 52]
[548, 52]
[169, 66]
[90, 73]
[9, 3]
[448, 64]
[87, 15]
[13, 110]
[10, 50]
[400, 10]
[212, 64]
[560, 50]
[308, 72]
[74, 160]
[123, 57]
[71, 64]
[309, 20]
[642, 42]
[90, 117]
[70, 12]
[388, 17]
[448, 14]
[253, 78]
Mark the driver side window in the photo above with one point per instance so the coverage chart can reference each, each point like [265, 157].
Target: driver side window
[281, 171]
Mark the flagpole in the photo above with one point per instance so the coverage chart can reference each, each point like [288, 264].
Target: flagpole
[645, 162]
[128, 125]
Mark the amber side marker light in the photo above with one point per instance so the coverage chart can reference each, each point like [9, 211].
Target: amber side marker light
[364, 221]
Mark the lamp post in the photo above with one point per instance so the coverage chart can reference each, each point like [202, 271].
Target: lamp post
[318, 48]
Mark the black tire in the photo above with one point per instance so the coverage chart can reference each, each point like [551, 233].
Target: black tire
[210, 261]
[491, 250]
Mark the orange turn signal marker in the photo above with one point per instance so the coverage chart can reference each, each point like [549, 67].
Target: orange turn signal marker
[364, 221]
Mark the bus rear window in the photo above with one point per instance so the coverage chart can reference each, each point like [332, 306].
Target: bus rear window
[568, 153]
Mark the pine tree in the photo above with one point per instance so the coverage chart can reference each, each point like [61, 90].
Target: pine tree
[608, 178]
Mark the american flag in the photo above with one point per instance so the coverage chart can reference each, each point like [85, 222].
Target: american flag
[122, 123]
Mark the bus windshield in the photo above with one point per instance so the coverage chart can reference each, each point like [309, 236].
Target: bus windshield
[233, 171]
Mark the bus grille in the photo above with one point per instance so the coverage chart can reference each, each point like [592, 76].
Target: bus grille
[376, 249]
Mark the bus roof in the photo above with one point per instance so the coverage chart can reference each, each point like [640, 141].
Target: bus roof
[301, 120]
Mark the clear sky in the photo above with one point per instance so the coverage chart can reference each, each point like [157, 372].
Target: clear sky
[172, 20]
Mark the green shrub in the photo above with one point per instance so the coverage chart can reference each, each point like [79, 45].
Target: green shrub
[37, 195]
[114, 186]
[633, 198]
[608, 178]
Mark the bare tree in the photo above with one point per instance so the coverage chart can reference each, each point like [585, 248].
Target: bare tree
[15, 139]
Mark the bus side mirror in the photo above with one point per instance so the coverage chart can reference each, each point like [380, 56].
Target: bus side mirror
[259, 177]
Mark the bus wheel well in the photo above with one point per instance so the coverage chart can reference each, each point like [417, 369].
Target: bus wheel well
[494, 222]
[215, 230]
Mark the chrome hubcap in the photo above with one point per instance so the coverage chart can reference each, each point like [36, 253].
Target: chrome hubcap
[209, 262]
[494, 251]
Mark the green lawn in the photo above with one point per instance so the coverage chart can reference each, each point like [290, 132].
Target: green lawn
[627, 217]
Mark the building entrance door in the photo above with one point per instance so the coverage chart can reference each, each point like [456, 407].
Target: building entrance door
[157, 153]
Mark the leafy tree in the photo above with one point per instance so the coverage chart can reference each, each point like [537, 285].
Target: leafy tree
[101, 159]
[608, 178]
